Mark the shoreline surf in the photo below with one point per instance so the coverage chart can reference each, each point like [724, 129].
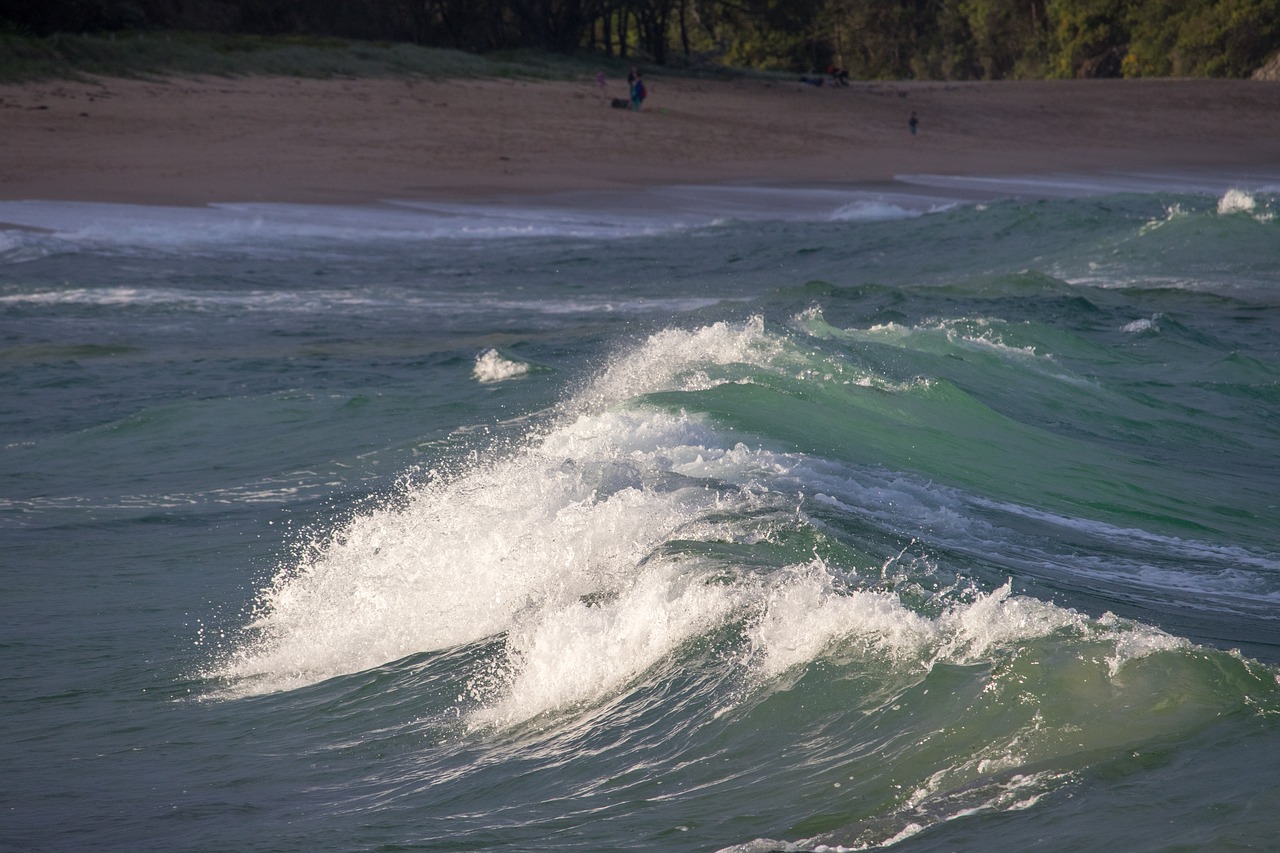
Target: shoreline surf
[36, 228]
[570, 529]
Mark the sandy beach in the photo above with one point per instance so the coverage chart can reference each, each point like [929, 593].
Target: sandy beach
[195, 141]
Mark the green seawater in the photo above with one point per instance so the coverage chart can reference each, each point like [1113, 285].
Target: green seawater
[817, 521]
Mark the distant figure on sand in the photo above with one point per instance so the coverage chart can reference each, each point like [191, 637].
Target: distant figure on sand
[638, 92]
[600, 81]
[913, 122]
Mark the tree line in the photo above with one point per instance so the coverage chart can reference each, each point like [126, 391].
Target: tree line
[871, 39]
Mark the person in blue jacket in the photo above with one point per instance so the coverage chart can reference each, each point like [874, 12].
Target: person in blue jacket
[638, 92]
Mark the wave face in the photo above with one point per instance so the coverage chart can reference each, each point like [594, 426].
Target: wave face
[939, 552]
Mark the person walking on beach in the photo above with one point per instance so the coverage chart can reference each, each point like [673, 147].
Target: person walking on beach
[600, 81]
[638, 92]
[913, 122]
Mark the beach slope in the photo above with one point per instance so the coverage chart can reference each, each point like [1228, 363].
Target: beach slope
[196, 141]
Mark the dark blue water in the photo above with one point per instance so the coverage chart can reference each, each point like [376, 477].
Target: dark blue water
[721, 519]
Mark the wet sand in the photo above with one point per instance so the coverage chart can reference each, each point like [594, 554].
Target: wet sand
[195, 141]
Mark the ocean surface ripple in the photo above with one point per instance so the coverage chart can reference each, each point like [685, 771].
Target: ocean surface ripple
[887, 520]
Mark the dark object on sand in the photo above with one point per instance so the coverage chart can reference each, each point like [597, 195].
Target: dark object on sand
[620, 103]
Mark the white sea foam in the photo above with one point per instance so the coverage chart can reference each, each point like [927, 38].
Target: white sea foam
[1040, 186]
[493, 366]
[576, 512]
[245, 227]
[677, 359]
[804, 204]
[262, 227]
[1142, 324]
[251, 300]
[805, 616]
[812, 322]
[374, 299]
[1172, 213]
[603, 304]
[1079, 185]
[19, 245]
[557, 551]
[874, 211]
[985, 333]
[974, 333]
[566, 517]
[1254, 204]
[1236, 201]
[1134, 641]
[265, 228]
[579, 652]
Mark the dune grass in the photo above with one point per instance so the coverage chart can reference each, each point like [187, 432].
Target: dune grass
[167, 54]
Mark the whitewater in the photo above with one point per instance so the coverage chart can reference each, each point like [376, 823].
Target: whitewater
[932, 516]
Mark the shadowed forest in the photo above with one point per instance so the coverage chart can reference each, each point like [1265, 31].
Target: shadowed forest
[870, 39]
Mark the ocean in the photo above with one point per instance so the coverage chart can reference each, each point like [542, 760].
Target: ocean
[937, 515]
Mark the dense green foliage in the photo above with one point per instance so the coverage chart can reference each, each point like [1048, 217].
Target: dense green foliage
[924, 39]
